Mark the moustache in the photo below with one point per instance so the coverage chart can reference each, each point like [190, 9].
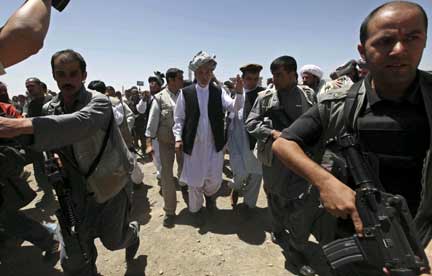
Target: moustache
[68, 86]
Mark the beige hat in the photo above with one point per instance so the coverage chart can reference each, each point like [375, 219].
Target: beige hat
[200, 59]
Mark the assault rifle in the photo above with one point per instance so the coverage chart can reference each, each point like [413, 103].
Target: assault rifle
[389, 240]
[66, 215]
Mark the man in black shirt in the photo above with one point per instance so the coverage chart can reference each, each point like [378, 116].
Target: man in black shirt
[37, 95]
[391, 117]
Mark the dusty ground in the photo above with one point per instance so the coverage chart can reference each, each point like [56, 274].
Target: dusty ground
[229, 243]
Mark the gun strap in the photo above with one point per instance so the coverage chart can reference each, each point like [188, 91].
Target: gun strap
[102, 149]
[350, 107]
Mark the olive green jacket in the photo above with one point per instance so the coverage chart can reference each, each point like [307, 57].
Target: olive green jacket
[259, 124]
[82, 130]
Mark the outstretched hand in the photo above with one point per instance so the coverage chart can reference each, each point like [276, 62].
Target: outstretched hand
[238, 88]
[10, 128]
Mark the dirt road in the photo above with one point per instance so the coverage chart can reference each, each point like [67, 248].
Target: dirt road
[228, 244]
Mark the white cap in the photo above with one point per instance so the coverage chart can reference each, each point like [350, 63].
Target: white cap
[312, 69]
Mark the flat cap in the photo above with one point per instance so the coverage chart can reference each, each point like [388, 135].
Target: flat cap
[251, 67]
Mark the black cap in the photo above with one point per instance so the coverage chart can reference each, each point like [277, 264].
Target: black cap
[158, 77]
[252, 67]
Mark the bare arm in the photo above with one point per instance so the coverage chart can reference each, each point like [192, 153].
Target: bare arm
[24, 32]
[336, 197]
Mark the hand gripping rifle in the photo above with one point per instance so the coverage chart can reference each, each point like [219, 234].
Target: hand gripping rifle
[66, 215]
[390, 240]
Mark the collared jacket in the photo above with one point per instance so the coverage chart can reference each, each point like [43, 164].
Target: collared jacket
[78, 135]
[331, 108]
[166, 116]
[260, 124]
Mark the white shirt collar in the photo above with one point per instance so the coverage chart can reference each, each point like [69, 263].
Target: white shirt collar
[198, 87]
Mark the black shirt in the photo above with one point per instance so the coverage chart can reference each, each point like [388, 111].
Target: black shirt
[34, 107]
[291, 102]
[396, 132]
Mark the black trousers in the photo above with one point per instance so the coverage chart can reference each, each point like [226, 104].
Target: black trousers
[302, 217]
[109, 222]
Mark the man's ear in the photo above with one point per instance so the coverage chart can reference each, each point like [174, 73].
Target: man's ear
[84, 76]
[361, 50]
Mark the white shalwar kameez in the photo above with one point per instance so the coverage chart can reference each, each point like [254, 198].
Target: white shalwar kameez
[247, 170]
[202, 170]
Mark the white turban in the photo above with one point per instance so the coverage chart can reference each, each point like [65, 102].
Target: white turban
[200, 59]
[312, 69]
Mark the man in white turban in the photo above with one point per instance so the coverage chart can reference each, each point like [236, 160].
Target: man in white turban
[312, 77]
[199, 132]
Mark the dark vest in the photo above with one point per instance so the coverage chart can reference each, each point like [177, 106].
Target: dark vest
[35, 106]
[192, 114]
[249, 102]
[397, 136]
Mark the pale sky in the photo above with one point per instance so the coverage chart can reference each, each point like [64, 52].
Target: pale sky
[125, 41]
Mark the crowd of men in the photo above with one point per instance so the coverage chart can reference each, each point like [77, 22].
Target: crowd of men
[284, 135]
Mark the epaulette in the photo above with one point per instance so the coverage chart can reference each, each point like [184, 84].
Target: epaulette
[308, 92]
[340, 82]
[267, 92]
[305, 88]
[51, 105]
[333, 94]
